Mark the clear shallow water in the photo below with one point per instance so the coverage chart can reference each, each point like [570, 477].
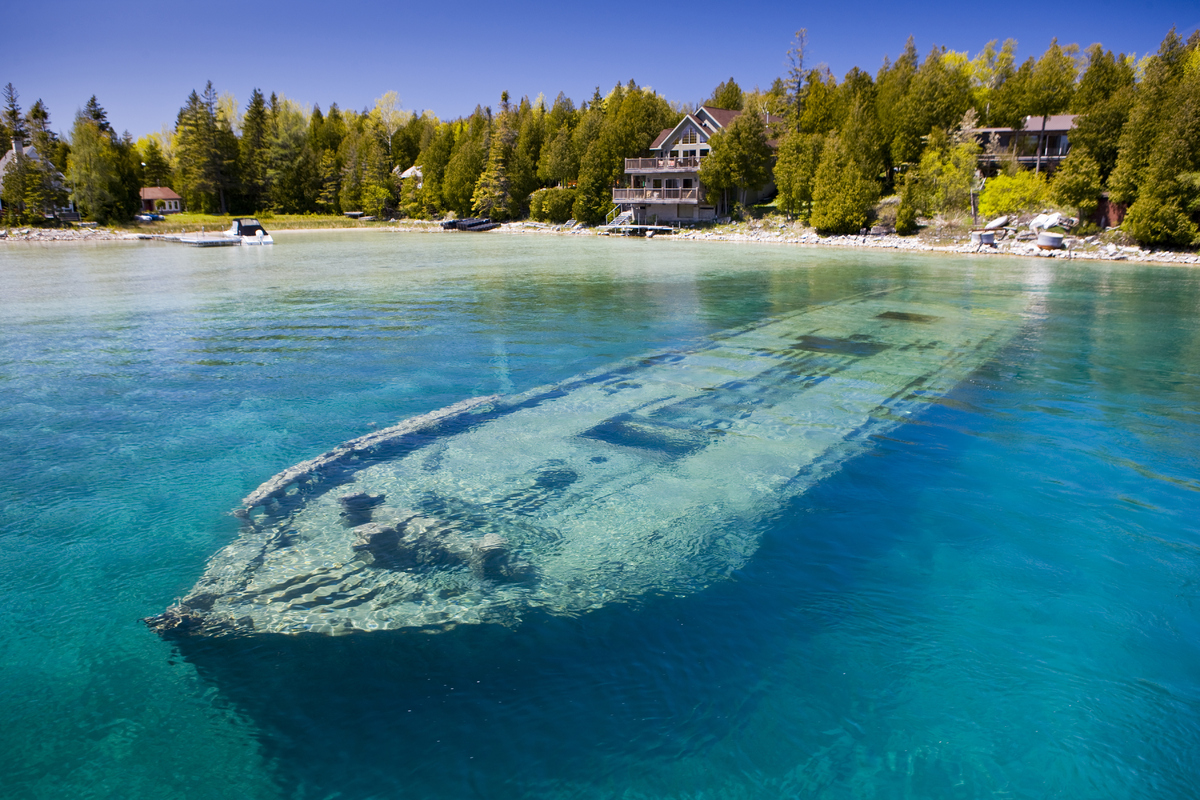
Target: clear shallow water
[999, 599]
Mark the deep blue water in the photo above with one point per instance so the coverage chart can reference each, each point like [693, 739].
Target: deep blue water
[1001, 598]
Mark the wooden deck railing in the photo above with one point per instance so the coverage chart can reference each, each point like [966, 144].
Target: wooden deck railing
[656, 195]
[687, 164]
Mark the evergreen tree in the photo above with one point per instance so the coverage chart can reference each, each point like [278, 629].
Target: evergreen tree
[893, 82]
[526, 155]
[471, 149]
[1077, 182]
[206, 152]
[95, 112]
[1168, 201]
[629, 119]
[991, 70]
[292, 171]
[823, 110]
[433, 160]
[842, 194]
[1103, 100]
[1154, 98]
[1050, 89]
[795, 169]
[938, 96]
[252, 150]
[740, 157]
[44, 140]
[93, 168]
[157, 172]
[14, 121]
[366, 167]
[946, 172]
[727, 95]
[906, 213]
[846, 184]
[493, 194]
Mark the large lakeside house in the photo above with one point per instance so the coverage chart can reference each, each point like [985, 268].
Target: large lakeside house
[1052, 141]
[58, 180]
[666, 186]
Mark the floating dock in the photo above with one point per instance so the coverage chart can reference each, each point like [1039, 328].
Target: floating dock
[208, 240]
[634, 229]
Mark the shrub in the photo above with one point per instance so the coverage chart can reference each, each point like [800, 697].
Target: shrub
[906, 213]
[842, 195]
[1154, 220]
[551, 205]
[1077, 183]
[1006, 194]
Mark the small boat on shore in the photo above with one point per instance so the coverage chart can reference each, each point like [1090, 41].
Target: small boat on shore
[653, 475]
[471, 224]
[249, 231]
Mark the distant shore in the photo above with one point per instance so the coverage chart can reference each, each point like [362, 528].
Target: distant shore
[1084, 248]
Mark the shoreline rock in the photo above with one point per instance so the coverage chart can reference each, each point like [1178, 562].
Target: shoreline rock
[1090, 251]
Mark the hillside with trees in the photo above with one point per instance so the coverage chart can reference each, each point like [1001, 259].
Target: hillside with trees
[842, 145]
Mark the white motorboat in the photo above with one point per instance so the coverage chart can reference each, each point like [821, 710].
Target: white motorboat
[249, 231]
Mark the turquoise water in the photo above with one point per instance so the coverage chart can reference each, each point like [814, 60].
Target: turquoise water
[1000, 598]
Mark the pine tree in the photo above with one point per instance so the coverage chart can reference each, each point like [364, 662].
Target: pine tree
[795, 169]
[92, 169]
[727, 95]
[1050, 89]
[157, 172]
[740, 157]
[492, 196]
[14, 121]
[1151, 109]
[842, 194]
[252, 150]
[1077, 182]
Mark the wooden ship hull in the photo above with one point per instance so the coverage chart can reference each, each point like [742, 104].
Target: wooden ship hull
[653, 475]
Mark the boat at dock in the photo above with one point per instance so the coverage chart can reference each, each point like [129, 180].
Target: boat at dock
[249, 231]
[653, 475]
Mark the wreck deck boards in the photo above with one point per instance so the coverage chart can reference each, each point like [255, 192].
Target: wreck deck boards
[652, 475]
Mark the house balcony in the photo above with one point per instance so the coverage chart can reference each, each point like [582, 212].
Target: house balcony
[656, 195]
[648, 165]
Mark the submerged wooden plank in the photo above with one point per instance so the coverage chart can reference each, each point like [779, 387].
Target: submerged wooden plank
[650, 475]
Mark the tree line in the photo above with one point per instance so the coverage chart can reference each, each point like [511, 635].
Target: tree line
[833, 147]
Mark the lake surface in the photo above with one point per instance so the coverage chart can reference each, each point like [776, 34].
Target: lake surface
[1000, 598]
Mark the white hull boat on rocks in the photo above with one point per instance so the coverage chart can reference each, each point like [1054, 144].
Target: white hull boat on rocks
[654, 475]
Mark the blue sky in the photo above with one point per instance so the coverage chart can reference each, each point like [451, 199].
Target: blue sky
[142, 60]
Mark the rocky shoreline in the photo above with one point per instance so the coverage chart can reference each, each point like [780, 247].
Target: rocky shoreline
[1087, 248]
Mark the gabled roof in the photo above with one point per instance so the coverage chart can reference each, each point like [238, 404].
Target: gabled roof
[159, 193]
[708, 120]
[1054, 123]
[32, 154]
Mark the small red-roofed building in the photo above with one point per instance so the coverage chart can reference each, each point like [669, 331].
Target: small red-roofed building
[161, 199]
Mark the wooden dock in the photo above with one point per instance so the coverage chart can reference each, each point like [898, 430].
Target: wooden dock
[202, 239]
[634, 229]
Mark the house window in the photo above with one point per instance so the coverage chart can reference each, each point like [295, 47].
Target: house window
[689, 138]
[657, 183]
[689, 153]
[687, 183]
[674, 154]
[672, 183]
